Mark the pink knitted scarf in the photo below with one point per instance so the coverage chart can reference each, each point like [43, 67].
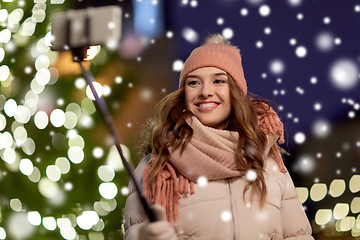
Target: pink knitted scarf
[210, 154]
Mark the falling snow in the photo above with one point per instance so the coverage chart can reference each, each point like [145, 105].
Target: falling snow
[299, 138]
[344, 74]
[264, 10]
[190, 35]
[301, 51]
[310, 92]
[325, 41]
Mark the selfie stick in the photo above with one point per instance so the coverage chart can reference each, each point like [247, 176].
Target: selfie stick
[111, 127]
[74, 30]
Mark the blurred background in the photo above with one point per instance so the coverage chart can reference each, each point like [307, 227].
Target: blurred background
[62, 178]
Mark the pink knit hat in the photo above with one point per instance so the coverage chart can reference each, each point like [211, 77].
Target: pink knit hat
[224, 57]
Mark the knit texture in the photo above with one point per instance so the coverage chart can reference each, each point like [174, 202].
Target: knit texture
[221, 56]
[269, 123]
[209, 153]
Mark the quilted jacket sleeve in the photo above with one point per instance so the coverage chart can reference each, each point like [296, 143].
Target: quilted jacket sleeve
[134, 214]
[295, 224]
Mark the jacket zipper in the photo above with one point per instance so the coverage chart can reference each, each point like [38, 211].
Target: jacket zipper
[232, 209]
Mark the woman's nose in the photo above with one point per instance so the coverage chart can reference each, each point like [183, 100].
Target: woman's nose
[206, 90]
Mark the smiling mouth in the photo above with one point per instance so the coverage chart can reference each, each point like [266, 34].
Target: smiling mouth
[207, 106]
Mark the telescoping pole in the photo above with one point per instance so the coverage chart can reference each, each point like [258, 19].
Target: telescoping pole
[111, 127]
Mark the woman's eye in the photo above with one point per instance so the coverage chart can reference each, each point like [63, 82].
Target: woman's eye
[219, 81]
[192, 82]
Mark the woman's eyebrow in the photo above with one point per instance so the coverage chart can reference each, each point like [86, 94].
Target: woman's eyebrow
[192, 76]
[220, 74]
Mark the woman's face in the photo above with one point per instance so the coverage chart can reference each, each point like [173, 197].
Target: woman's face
[207, 96]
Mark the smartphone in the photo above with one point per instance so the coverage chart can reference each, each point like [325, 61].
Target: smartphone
[82, 28]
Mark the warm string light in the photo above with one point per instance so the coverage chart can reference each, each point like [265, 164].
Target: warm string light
[340, 212]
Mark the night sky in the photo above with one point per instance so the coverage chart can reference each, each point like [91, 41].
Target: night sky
[310, 44]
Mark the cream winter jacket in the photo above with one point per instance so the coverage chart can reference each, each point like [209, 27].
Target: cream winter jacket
[217, 211]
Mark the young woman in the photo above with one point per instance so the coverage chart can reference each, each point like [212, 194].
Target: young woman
[215, 170]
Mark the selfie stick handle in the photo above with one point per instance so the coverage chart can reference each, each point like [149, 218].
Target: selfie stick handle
[111, 127]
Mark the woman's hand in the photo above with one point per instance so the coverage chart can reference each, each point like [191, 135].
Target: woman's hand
[159, 230]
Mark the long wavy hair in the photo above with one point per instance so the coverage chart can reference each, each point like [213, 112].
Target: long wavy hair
[169, 128]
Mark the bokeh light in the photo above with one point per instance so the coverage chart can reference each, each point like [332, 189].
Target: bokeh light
[34, 218]
[108, 190]
[114, 159]
[16, 205]
[4, 73]
[87, 220]
[26, 166]
[35, 175]
[244, 12]
[305, 164]
[5, 35]
[354, 184]
[355, 205]
[57, 118]
[301, 51]
[76, 154]
[63, 164]
[75, 108]
[80, 83]
[98, 88]
[323, 216]
[190, 35]
[347, 223]
[344, 74]
[70, 120]
[106, 173]
[20, 135]
[68, 233]
[2, 122]
[22, 114]
[9, 155]
[321, 128]
[277, 66]
[42, 76]
[10, 107]
[49, 223]
[228, 33]
[2, 233]
[264, 10]
[337, 187]
[53, 173]
[299, 137]
[303, 194]
[295, 3]
[48, 188]
[76, 141]
[324, 41]
[341, 210]
[19, 226]
[63, 222]
[318, 191]
[177, 65]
